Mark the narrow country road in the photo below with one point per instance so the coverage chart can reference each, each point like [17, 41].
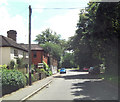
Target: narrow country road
[76, 85]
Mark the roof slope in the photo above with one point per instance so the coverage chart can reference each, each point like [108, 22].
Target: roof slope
[8, 42]
[33, 46]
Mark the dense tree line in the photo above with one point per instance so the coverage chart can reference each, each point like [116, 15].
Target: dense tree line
[97, 36]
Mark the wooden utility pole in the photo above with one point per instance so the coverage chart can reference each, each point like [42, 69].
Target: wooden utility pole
[30, 12]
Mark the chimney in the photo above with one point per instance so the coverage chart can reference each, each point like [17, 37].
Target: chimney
[12, 34]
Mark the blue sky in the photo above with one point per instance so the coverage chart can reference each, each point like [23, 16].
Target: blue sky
[14, 16]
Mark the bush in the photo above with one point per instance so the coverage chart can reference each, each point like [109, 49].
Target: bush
[46, 67]
[32, 78]
[12, 64]
[12, 80]
[27, 79]
[50, 73]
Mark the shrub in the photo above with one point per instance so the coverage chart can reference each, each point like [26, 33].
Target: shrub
[12, 64]
[27, 79]
[32, 78]
[46, 67]
[12, 80]
[50, 73]
[42, 70]
[3, 66]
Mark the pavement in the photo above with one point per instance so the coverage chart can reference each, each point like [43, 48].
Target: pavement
[24, 93]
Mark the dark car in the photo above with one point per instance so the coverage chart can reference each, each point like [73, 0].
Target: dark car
[62, 70]
[94, 70]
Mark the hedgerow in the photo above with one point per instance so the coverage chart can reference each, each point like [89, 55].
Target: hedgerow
[12, 80]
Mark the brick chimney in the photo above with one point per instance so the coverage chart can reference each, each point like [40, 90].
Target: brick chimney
[12, 34]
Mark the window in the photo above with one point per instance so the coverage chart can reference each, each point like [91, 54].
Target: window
[34, 54]
[15, 52]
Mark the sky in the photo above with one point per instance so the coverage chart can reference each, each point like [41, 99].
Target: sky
[15, 16]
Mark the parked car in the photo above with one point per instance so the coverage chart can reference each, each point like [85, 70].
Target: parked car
[86, 69]
[94, 70]
[62, 70]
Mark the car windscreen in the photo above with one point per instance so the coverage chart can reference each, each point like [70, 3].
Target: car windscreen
[62, 68]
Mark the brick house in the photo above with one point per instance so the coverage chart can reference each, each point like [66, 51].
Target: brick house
[38, 54]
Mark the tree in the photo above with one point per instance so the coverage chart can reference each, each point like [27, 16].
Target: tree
[97, 35]
[53, 49]
[52, 43]
[68, 60]
[48, 36]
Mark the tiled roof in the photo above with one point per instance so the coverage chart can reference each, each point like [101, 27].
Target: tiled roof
[8, 42]
[33, 46]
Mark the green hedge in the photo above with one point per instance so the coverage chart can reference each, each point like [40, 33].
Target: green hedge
[12, 80]
[33, 79]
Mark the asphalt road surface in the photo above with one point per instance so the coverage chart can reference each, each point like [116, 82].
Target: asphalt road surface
[75, 85]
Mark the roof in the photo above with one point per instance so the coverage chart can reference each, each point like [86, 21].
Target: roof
[33, 46]
[8, 42]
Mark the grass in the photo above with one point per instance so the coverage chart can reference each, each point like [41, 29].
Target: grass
[111, 78]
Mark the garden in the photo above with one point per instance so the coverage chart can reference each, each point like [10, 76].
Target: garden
[16, 75]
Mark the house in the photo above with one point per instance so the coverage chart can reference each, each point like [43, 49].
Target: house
[37, 53]
[9, 49]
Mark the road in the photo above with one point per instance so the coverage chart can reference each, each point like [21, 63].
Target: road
[76, 85]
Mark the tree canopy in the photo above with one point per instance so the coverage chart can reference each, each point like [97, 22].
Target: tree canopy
[48, 36]
[52, 43]
[97, 35]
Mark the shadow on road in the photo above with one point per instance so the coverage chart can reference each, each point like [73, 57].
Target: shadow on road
[78, 76]
[95, 90]
[89, 87]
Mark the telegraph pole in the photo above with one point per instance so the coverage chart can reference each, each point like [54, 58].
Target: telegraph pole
[30, 12]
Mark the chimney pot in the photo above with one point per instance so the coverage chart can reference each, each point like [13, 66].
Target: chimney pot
[12, 34]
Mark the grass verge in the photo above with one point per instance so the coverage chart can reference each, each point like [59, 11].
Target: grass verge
[111, 78]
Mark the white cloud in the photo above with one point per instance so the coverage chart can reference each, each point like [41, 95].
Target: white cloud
[65, 24]
[3, 2]
[17, 22]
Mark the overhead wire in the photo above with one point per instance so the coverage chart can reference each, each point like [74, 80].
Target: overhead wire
[60, 8]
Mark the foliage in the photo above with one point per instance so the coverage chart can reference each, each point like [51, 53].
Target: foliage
[49, 73]
[52, 43]
[3, 66]
[46, 67]
[68, 60]
[12, 64]
[42, 70]
[53, 49]
[12, 80]
[20, 63]
[48, 36]
[33, 79]
[96, 38]
[27, 78]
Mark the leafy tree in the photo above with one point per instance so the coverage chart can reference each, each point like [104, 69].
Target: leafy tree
[68, 60]
[48, 36]
[52, 43]
[53, 49]
[97, 35]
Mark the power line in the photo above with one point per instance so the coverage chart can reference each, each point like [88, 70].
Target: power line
[59, 8]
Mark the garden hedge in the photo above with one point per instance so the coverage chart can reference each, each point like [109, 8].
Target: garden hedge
[12, 80]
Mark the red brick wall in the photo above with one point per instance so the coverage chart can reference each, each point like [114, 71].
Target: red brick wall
[40, 57]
